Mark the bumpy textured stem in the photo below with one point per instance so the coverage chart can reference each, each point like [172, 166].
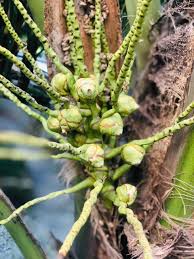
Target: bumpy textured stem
[5, 52]
[135, 35]
[12, 137]
[166, 132]
[110, 72]
[22, 46]
[138, 229]
[186, 112]
[49, 51]
[82, 219]
[16, 90]
[77, 52]
[97, 39]
[30, 112]
[105, 46]
[129, 75]
[80, 186]
[155, 138]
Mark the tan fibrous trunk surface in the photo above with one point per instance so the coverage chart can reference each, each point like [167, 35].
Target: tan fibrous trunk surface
[56, 30]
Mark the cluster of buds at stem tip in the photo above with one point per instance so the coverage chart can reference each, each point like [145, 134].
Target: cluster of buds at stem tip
[86, 88]
[66, 120]
[59, 84]
[93, 154]
[133, 154]
[125, 194]
[112, 125]
[126, 105]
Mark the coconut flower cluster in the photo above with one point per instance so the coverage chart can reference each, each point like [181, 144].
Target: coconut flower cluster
[86, 115]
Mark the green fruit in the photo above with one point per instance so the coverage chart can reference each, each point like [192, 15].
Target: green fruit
[126, 193]
[126, 104]
[112, 125]
[94, 154]
[133, 154]
[70, 118]
[59, 83]
[53, 124]
[86, 88]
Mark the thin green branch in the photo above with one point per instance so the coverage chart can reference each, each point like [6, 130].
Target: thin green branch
[77, 51]
[11, 137]
[138, 229]
[86, 211]
[88, 182]
[97, 39]
[186, 112]
[5, 52]
[6, 92]
[22, 46]
[155, 138]
[27, 97]
[49, 51]
[135, 35]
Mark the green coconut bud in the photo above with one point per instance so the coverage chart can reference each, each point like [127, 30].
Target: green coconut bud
[59, 83]
[86, 88]
[133, 154]
[94, 154]
[53, 124]
[70, 118]
[112, 125]
[126, 193]
[126, 104]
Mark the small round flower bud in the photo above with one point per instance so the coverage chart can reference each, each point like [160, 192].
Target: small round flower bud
[112, 125]
[126, 193]
[86, 88]
[53, 124]
[133, 154]
[93, 154]
[70, 118]
[126, 104]
[59, 83]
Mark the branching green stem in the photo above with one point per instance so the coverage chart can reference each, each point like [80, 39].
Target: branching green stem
[22, 46]
[9, 137]
[97, 39]
[185, 113]
[135, 35]
[77, 53]
[148, 142]
[88, 182]
[5, 52]
[27, 97]
[30, 112]
[49, 51]
[82, 218]
[138, 229]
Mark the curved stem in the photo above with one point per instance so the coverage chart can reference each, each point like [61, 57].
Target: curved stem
[80, 186]
[138, 229]
[27, 97]
[49, 51]
[77, 53]
[22, 46]
[30, 112]
[82, 218]
[5, 52]
[135, 35]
